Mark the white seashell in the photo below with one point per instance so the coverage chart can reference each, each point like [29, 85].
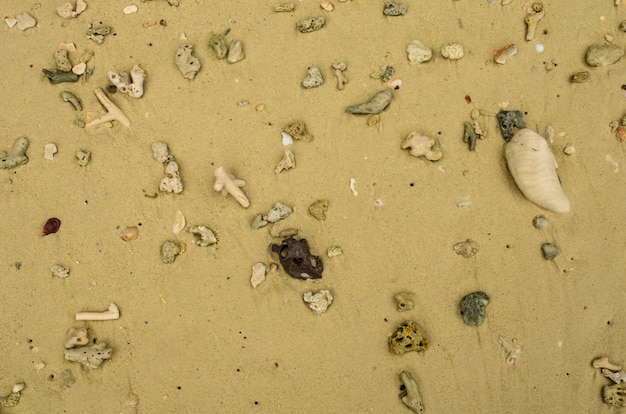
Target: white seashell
[179, 222]
[533, 168]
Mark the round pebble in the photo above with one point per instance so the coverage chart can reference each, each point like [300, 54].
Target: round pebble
[550, 251]
[569, 149]
[540, 222]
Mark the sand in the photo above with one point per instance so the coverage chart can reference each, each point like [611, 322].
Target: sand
[194, 336]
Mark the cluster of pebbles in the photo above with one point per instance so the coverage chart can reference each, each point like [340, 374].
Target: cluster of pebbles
[291, 251]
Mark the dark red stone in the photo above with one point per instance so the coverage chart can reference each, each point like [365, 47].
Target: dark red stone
[51, 226]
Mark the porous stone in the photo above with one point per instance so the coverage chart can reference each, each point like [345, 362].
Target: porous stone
[59, 271]
[392, 8]
[298, 131]
[318, 209]
[16, 156]
[313, 78]
[603, 54]
[408, 337]
[410, 394]
[473, 308]
[310, 24]
[217, 42]
[452, 51]
[404, 301]
[467, 248]
[204, 236]
[278, 212]
[187, 64]
[418, 52]
[62, 61]
[258, 274]
[614, 394]
[318, 302]
[91, 357]
[169, 250]
[98, 32]
[83, 157]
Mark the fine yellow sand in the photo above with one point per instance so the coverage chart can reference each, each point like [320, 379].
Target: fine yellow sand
[194, 336]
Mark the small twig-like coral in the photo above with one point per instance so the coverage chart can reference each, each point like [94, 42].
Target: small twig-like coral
[226, 182]
[113, 112]
[110, 314]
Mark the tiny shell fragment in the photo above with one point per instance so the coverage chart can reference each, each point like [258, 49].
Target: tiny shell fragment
[129, 233]
[179, 222]
[500, 56]
[467, 248]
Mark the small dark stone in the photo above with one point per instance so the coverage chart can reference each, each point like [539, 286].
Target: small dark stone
[473, 307]
[508, 120]
[60, 77]
[297, 260]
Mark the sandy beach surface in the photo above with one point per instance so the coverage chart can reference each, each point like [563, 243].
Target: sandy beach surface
[194, 336]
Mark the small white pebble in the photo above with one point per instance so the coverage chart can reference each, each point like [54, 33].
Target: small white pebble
[287, 139]
[18, 387]
[130, 9]
[49, 151]
[569, 149]
[79, 68]
[540, 48]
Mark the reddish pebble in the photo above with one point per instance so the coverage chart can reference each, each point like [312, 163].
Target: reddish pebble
[51, 226]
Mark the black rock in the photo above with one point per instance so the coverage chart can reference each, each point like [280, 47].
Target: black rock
[297, 260]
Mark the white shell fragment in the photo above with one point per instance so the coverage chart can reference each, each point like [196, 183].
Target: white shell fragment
[25, 21]
[179, 222]
[59, 271]
[318, 302]
[130, 9]
[533, 168]
[49, 151]
[258, 274]
[287, 139]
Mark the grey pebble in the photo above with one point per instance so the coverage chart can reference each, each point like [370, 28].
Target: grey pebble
[187, 64]
[603, 54]
[72, 99]
[310, 24]
[16, 156]
[217, 42]
[169, 250]
[278, 212]
[235, 52]
[313, 78]
[387, 74]
[550, 251]
[60, 77]
[473, 308]
[374, 106]
[284, 7]
[394, 9]
[540, 222]
[62, 61]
